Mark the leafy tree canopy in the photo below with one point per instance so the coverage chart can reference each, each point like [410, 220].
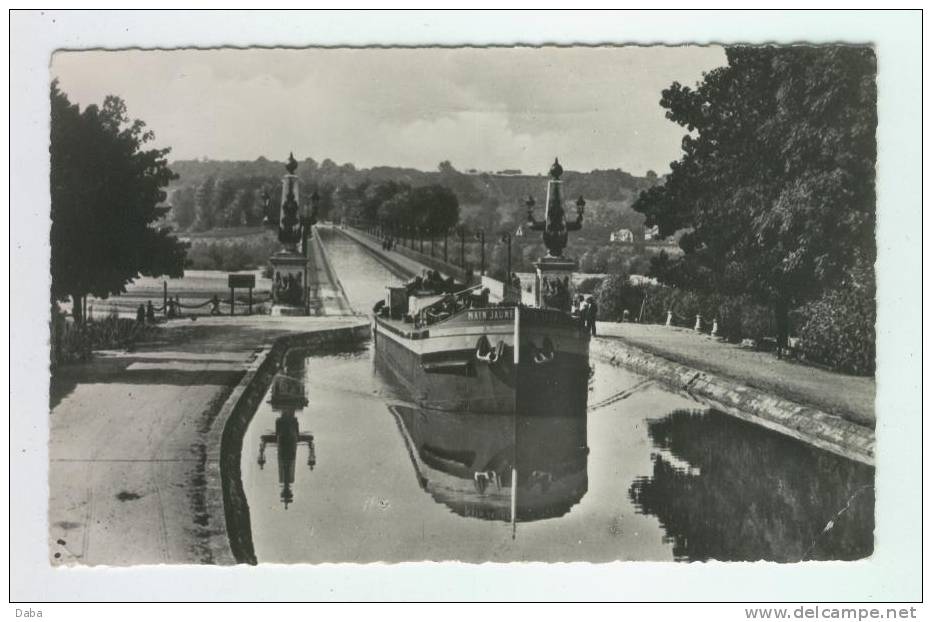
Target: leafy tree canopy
[106, 191]
[776, 182]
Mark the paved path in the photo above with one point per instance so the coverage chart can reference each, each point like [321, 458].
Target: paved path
[404, 266]
[851, 397]
[127, 439]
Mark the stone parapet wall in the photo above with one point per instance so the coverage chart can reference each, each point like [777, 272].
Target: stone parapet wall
[434, 263]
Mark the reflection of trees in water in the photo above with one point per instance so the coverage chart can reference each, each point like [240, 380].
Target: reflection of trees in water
[752, 494]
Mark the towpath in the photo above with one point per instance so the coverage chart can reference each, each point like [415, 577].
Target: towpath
[128, 436]
[850, 397]
[398, 263]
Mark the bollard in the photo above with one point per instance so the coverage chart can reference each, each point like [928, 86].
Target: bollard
[715, 327]
[698, 325]
[669, 318]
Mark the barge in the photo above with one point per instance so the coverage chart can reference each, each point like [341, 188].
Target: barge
[456, 351]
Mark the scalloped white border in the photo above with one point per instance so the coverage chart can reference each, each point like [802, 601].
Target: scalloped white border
[892, 574]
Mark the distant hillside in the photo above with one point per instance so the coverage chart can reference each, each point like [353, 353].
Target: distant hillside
[213, 193]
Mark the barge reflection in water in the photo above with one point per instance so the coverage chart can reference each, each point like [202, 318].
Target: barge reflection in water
[470, 462]
[641, 477]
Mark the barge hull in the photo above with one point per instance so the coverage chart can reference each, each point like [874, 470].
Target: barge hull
[441, 370]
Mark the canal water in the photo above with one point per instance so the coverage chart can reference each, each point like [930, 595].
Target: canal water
[338, 465]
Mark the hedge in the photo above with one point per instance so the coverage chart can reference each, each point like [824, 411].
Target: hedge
[739, 317]
[74, 343]
[836, 330]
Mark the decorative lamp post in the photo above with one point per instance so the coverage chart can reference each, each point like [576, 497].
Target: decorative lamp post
[553, 287]
[289, 265]
[289, 224]
[462, 232]
[506, 239]
[480, 235]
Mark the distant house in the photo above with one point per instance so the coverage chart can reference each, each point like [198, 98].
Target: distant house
[510, 171]
[622, 235]
[640, 279]
[652, 233]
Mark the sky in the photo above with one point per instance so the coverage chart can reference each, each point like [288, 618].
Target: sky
[482, 108]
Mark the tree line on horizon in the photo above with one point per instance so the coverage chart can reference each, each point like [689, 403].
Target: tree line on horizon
[212, 194]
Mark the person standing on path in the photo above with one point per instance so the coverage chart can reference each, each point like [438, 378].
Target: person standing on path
[592, 312]
[583, 312]
[150, 312]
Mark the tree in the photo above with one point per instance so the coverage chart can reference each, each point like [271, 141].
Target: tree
[446, 168]
[375, 195]
[106, 191]
[204, 204]
[434, 207]
[776, 181]
[183, 207]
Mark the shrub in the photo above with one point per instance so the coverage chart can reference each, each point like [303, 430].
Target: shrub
[615, 295]
[838, 331]
[230, 255]
[734, 315]
[589, 285]
[756, 322]
[73, 343]
[658, 300]
[739, 317]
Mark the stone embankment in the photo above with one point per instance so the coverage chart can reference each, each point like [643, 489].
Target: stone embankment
[828, 431]
[224, 493]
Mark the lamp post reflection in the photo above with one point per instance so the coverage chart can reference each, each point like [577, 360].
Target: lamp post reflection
[287, 397]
